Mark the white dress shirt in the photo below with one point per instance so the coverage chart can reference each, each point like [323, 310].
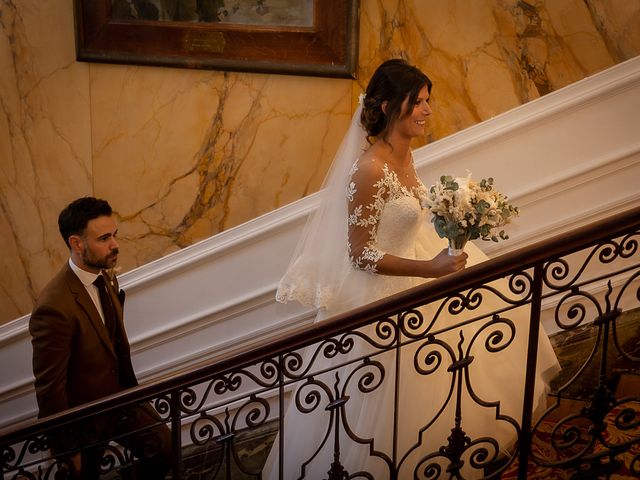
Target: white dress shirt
[87, 279]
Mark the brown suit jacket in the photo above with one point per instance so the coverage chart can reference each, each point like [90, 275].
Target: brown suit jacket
[74, 361]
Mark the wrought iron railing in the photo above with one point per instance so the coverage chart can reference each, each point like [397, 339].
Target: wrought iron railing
[418, 385]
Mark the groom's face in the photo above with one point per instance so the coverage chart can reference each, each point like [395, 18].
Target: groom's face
[97, 248]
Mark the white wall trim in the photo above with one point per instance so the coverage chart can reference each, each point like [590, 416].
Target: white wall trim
[14, 330]
[219, 244]
[597, 87]
[617, 160]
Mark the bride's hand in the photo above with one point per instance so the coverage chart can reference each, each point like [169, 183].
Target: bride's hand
[444, 264]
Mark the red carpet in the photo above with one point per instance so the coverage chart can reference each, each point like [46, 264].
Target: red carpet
[612, 436]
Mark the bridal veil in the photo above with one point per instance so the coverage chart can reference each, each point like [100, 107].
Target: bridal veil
[320, 262]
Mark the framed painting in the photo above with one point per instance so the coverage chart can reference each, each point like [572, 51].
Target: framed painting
[299, 37]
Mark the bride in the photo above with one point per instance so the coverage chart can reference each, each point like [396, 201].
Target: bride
[370, 238]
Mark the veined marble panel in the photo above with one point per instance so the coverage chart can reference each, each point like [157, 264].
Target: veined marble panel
[185, 154]
[487, 57]
[45, 149]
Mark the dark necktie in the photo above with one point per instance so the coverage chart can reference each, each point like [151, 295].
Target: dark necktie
[107, 306]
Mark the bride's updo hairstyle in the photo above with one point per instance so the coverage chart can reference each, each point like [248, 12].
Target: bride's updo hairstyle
[392, 82]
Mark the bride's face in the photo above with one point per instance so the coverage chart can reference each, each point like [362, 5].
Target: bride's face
[412, 120]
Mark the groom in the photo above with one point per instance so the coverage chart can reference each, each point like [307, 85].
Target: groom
[80, 348]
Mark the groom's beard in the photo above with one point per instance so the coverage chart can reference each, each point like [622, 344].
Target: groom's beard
[90, 259]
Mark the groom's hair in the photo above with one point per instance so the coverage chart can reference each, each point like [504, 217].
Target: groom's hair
[74, 218]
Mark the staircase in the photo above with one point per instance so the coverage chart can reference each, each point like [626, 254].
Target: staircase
[544, 154]
[223, 413]
[549, 160]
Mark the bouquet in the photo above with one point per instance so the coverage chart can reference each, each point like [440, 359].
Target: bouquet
[465, 210]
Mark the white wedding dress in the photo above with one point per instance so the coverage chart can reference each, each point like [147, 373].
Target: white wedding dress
[424, 416]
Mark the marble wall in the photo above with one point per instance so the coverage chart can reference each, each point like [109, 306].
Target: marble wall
[184, 154]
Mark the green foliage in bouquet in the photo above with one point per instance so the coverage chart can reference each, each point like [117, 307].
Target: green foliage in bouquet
[466, 210]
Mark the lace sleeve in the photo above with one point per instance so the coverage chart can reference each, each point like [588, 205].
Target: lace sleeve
[366, 192]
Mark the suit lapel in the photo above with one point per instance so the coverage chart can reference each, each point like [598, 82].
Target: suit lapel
[84, 300]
